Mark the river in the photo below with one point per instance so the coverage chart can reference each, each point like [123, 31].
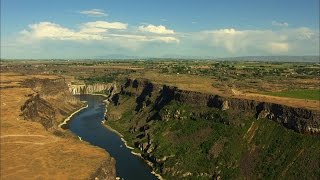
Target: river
[87, 125]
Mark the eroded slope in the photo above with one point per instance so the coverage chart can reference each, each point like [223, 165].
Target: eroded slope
[32, 146]
[195, 135]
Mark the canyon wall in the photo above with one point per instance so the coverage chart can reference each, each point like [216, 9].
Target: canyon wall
[89, 89]
[167, 126]
[50, 104]
[299, 119]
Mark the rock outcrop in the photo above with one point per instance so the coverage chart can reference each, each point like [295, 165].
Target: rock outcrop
[168, 125]
[38, 110]
[89, 89]
[51, 103]
[298, 119]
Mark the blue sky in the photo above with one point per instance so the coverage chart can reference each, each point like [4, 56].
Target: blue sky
[99, 28]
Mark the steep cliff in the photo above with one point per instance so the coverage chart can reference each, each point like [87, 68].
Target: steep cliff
[49, 104]
[298, 119]
[89, 89]
[226, 137]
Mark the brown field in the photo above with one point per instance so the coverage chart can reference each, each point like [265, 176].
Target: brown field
[204, 84]
[28, 151]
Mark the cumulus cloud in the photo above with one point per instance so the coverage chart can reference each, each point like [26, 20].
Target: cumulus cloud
[94, 13]
[268, 41]
[277, 47]
[280, 24]
[48, 30]
[155, 29]
[230, 41]
[97, 30]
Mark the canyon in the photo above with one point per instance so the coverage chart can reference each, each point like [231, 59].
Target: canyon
[228, 135]
[299, 119]
[32, 143]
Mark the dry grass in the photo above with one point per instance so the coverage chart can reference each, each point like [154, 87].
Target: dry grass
[204, 84]
[183, 81]
[28, 151]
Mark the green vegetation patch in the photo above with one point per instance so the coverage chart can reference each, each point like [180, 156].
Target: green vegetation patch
[311, 94]
[203, 143]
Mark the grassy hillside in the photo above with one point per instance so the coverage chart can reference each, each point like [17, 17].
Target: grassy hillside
[187, 142]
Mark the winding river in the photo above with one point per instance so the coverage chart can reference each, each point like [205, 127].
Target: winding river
[87, 125]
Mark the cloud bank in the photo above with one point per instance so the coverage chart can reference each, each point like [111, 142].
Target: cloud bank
[268, 41]
[158, 39]
[91, 31]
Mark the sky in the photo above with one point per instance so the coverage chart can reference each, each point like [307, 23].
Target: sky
[78, 29]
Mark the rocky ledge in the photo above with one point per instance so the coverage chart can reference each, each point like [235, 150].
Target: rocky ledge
[299, 119]
[49, 105]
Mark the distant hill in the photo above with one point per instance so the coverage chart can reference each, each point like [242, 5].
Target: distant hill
[240, 58]
[182, 57]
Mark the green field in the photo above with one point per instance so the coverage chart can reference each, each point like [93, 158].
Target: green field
[311, 94]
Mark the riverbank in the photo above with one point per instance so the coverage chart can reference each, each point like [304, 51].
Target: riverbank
[69, 117]
[119, 134]
[97, 94]
[134, 153]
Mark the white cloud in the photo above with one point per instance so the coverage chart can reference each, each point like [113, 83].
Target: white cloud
[280, 24]
[268, 41]
[277, 47]
[155, 29]
[230, 39]
[111, 32]
[94, 13]
[48, 30]
[166, 39]
[106, 25]
[304, 33]
[287, 41]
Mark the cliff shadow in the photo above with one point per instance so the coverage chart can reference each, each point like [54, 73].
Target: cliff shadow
[215, 102]
[147, 90]
[166, 95]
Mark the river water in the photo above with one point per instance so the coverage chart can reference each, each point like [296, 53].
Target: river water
[87, 125]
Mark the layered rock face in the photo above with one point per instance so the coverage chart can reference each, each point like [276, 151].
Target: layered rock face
[185, 134]
[49, 105]
[298, 119]
[89, 89]
[39, 110]
[50, 102]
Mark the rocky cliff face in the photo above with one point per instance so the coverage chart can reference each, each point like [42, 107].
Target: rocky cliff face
[90, 89]
[38, 110]
[298, 119]
[221, 134]
[51, 103]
